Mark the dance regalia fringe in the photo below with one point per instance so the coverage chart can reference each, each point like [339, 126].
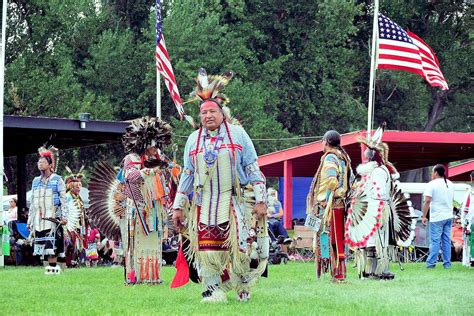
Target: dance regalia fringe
[228, 245]
[48, 201]
[142, 226]
[330, 185]
[76, 227]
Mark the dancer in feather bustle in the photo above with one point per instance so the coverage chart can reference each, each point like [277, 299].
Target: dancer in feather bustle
[132, 204]
[48, 210]
[326, 201]
[144, 174]
[226, 225]
[76, 221]
[380, 216]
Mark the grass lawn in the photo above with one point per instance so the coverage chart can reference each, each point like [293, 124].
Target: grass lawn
[290, 290]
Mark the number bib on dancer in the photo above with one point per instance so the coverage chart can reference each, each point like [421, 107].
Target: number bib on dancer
[312, 222]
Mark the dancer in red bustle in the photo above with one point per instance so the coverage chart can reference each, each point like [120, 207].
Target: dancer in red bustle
[48, 210]
[226, 223]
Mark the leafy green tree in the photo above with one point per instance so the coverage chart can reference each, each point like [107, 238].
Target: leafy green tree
[198, 36]
[42, 59]
[315, 90]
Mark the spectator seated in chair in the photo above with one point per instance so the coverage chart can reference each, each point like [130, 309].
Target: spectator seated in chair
[274, 214]
[456, 237]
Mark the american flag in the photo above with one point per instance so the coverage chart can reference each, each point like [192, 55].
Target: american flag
[163, 63]
[401, 50]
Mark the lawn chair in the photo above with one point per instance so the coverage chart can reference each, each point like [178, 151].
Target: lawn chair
[421, 241]
[301, 248]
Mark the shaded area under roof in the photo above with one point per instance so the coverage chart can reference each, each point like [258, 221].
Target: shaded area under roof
[25, 134]
[408, 151]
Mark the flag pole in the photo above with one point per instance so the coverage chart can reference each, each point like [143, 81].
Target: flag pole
[158, 76]
[158, 94]
[372, 69]
[158, 90]
[2, 92]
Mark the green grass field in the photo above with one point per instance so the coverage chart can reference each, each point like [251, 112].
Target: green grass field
[290, 290]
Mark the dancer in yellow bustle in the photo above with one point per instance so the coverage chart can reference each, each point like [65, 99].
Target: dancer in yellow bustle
[226, 224]
[132, 204]
[325, 202]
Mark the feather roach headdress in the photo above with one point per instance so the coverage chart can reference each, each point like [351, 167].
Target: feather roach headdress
[375, 144]
[365, 214]
[208, 89]
[51, 153]
[145, 132]
[73, 179]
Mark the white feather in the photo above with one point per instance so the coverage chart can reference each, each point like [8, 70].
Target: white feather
[377, 137]
[202, 78]
[74, 214]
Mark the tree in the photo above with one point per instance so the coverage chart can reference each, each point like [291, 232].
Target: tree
[199, 35]
[316, 88]
[300, 67]
[42, 59]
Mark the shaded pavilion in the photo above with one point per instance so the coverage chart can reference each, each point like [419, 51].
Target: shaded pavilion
[23, 135]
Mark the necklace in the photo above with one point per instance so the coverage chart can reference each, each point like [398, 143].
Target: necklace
[211, 148]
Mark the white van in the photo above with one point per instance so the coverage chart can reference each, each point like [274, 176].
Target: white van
[416, 190]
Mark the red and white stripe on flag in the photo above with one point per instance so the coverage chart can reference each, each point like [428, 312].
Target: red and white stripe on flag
[401, 50]
[163, 64]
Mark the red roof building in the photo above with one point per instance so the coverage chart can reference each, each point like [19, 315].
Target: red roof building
[408, 150]
[461, 172]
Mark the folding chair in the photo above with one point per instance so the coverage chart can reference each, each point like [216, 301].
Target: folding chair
[302, 245]
[421, 241]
